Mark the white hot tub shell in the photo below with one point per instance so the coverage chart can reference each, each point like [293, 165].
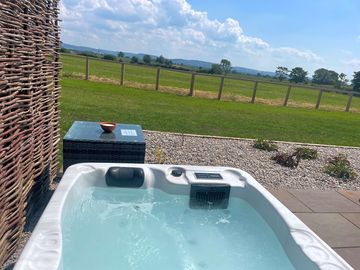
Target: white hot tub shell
[303, 247]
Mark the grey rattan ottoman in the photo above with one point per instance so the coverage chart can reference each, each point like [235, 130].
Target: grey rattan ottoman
[86, 142]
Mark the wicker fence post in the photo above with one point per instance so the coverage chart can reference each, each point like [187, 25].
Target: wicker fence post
[287, 95]
[348, 105]
[122, 74]
[87, 69]
[192, 85]
[221, 87]
[319, 100]
[157, 79]
[254, 92]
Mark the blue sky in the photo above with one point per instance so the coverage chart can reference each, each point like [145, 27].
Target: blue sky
[261, 34]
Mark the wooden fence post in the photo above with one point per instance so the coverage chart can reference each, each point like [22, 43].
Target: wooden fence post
[319, 100]
[157, 79]
[348, 105]
[287, 95]
[192, 85]
[122, 74]
[254, 92]
[221, 87]
[87, 69]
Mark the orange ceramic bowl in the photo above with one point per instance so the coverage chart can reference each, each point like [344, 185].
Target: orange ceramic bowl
[108, 126]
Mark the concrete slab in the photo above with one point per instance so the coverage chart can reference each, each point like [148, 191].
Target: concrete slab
[290, 201]
[351, 255]
[352, 195]
[333, 228]
[325, 201]
[354, 218]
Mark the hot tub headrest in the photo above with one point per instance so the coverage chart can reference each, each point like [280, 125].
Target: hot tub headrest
[124, 177]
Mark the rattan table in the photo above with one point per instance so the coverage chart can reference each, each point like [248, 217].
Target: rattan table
[86, 142]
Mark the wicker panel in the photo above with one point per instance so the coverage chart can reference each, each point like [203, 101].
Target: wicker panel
[124, 152]
[29, 112]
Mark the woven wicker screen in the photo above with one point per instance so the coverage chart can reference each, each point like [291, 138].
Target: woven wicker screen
[29, 114]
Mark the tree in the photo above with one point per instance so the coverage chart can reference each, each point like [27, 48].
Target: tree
[109, 57]
[324, 76]
[282, 73]
[342, 80]
[298, 75]
[225, 66]
[168, 62]
[356, 81]
[120, 54]
[215, 69]
[160, 59]
[64, 50]
[147, 59]
[134, 59]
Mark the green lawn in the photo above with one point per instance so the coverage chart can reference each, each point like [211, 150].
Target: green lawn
[94, 101]
[233, 89]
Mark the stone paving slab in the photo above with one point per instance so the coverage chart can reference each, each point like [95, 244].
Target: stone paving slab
[333, 228]
[351, 255]
[352, 195]
[325, 201]
[354, 218]
[290, 201]
[339, 226]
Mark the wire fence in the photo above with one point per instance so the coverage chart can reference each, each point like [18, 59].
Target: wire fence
[212, 86]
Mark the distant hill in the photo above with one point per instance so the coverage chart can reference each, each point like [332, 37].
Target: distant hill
[99, 51]
[253, 71]
[192, 63]
[204, 64]
[185, 62]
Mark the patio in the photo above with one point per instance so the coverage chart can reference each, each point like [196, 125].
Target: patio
[332, 215]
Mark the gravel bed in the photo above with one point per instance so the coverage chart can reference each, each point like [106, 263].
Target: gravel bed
[238, 153]
[197, 150]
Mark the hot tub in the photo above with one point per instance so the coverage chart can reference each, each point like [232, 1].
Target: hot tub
[141, 216]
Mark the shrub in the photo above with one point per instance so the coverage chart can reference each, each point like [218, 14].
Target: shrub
[287, 160]
[134, 59]
[109, 57]
[64, 50]
[265, 145]
[306, 153]
[160, 156]
[340, 167]
[89, 54]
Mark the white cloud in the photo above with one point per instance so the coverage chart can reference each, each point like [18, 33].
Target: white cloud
[172, 28]
[351, 65]
[355, 62]
[347, 52]
[306, 54]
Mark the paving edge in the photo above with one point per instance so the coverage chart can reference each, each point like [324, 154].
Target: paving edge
[251, 140]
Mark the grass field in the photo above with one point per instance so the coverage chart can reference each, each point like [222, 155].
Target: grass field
[95, 101]
[144, 77]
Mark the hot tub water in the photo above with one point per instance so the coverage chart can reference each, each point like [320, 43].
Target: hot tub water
[148, 229]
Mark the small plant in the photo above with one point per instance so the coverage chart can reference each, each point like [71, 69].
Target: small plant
[159, 156]
[340, 167]
[287, 160]
[265, 145]
[306, 153]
